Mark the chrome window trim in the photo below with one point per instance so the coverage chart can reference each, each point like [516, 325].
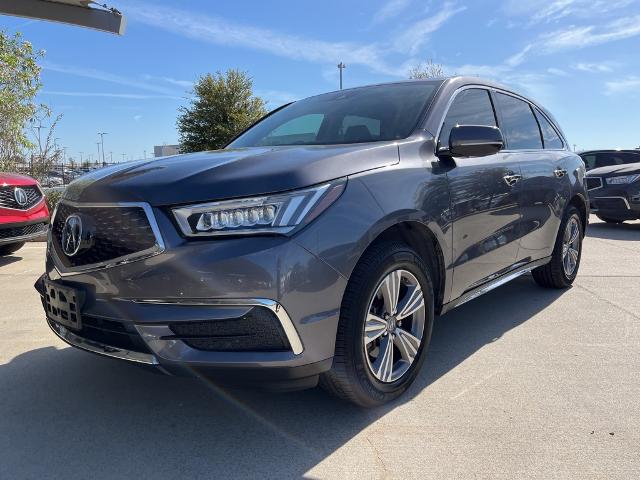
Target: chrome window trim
[450, 102]
[74, 340]
[25, 237]
[279, 311]
[491, 89]
[595, 188]
[626, 202]
[157, 249]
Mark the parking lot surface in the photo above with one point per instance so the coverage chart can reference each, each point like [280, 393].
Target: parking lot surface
[522, 382]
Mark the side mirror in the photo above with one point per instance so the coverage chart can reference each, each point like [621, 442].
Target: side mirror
[474, 141]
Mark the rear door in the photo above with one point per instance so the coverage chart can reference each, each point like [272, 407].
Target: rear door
[545, 179]
[484, 199]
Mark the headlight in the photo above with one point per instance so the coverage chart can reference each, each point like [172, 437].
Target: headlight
[623, 180]
[278, 213]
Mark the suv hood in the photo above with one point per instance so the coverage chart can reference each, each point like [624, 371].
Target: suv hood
[626, 169]
[222, 174]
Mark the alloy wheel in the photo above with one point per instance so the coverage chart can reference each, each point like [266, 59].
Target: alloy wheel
[394, 327]
[571, 246]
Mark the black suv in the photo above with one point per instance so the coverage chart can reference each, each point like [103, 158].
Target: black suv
[613, 181]
[319, 245]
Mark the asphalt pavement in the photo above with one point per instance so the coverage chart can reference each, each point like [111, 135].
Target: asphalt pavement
[520, 383]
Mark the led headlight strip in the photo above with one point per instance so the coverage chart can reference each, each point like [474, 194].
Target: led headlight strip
[279, 213]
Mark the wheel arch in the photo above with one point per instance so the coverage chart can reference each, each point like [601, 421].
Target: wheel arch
[420, 238]
[580, 203]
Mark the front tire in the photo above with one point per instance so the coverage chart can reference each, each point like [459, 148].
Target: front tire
[10, 248]
[562, 270]
[385, 325]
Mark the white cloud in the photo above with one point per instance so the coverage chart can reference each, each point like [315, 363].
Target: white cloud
[574, 37]
[557, 71]
[222, 31]
[170, 80]
[108, 77]
[594, 67]
[546, 11]
[137, 118]
[628, 84]
[390, 10]
[414, 36]
[130, 96]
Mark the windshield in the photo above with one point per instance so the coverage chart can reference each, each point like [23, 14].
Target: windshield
[606, 159]
[368, 114]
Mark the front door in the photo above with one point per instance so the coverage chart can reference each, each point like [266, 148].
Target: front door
[485, 210]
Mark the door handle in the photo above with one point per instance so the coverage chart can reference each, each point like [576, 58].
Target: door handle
[559, 172]
[511, 180]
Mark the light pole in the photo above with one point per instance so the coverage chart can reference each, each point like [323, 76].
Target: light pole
[102, 134]
[341, 66]
[123, 156]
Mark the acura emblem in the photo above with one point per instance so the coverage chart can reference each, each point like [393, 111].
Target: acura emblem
[72, 235]
[21, 196]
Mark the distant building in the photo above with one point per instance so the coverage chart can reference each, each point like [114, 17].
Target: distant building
[165, 150]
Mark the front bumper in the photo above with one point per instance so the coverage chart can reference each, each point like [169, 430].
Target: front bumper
[23, 231]
[209, 281]
[620, 202]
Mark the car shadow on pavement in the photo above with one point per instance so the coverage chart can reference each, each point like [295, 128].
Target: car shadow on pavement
[8, 260]
[614, 231]
[68, 414]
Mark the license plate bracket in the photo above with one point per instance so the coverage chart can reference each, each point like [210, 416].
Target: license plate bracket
[63, 304]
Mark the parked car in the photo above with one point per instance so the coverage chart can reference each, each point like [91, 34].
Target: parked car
[23, 212]
[320, 243]
[614, 190]
[53, 179]
[609, 158]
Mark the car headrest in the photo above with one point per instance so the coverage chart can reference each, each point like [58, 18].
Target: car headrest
[357, 133]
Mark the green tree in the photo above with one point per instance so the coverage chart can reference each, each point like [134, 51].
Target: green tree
[19, 84]
[223, 106]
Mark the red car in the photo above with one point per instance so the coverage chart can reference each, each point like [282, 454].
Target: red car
[23, 211]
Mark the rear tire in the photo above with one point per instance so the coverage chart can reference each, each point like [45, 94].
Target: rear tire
[10, 248]
[609, 220]
[556, 273]
[358, 373]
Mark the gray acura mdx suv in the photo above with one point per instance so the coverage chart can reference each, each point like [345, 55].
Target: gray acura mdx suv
[320, 243]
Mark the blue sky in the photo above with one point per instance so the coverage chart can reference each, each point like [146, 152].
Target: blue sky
[579, 58]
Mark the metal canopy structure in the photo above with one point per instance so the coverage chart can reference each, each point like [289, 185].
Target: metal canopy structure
[73, 12]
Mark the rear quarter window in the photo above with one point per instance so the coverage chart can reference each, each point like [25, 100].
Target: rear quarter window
[549, 134]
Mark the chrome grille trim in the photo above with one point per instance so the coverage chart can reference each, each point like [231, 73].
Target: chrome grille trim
[141, 255]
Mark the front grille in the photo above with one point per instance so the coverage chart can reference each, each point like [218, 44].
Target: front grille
[609, 203]
[259, 330]
[25, 231]
[118, 231]
[8, 199]
[593, 183]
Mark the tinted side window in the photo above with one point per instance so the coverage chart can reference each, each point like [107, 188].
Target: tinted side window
[470, 107]
[519, 125]
[549, 134]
